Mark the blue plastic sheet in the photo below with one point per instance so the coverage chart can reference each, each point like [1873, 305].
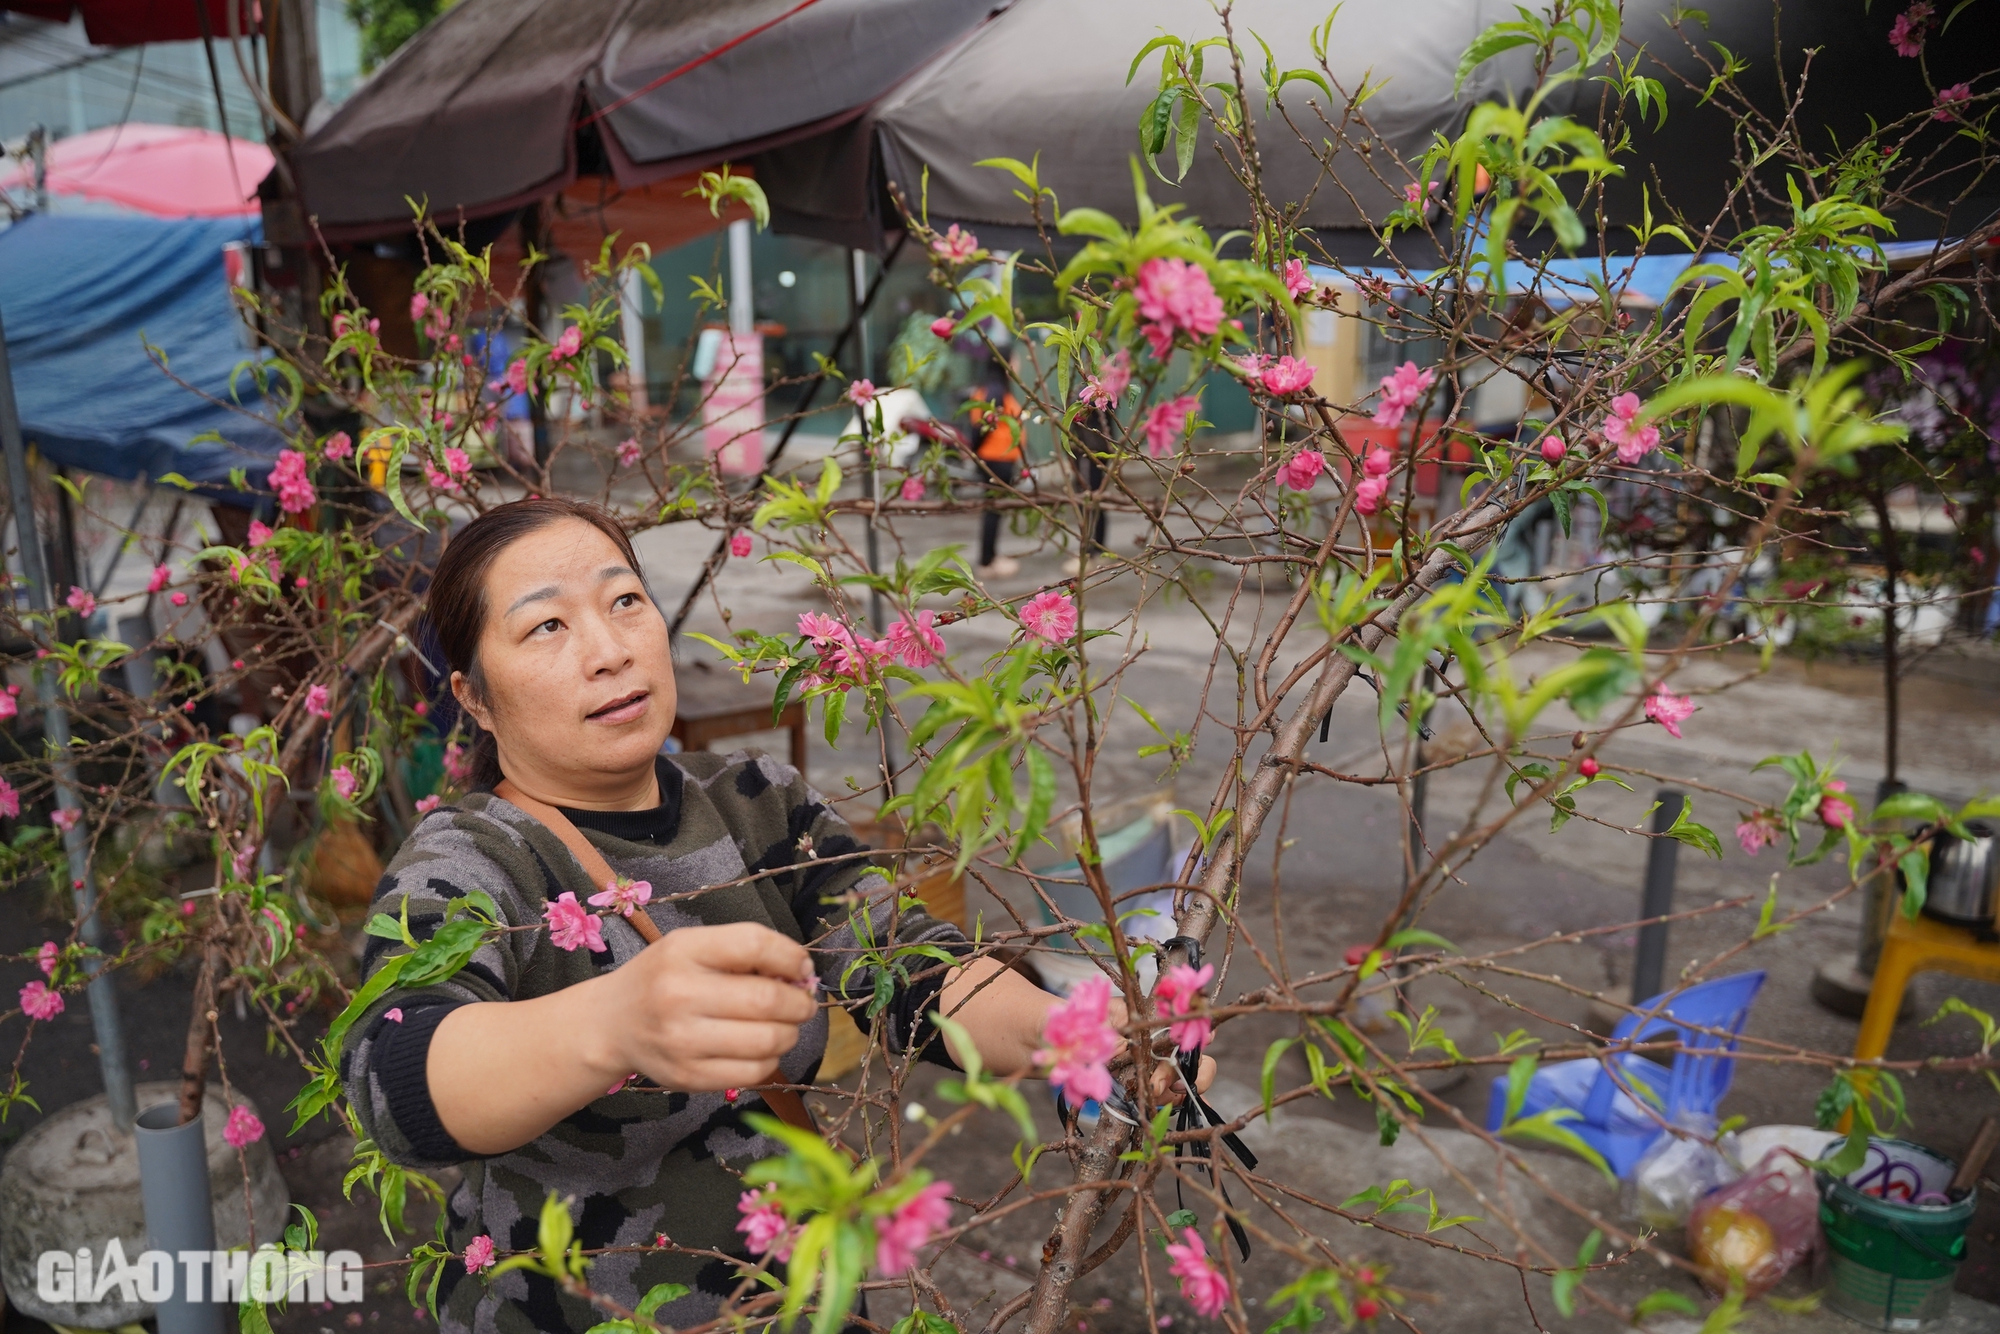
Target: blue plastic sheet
[78, 293]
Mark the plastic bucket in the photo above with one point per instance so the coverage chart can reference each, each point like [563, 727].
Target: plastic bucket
[1893, 1261]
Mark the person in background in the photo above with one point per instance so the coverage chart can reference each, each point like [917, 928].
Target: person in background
[993, 420]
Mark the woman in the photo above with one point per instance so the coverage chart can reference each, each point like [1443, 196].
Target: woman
[600, 1073]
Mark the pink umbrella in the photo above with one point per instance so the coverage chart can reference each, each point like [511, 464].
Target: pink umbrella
[170, 171]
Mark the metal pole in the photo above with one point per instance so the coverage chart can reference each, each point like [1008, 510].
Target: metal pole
[1662, 854]
[871, 489]
[742, 299]
[869, 480]
[55, 726]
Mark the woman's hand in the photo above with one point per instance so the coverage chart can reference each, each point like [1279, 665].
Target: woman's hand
[705, 1008]
[710, 1007]
[1166, 1079]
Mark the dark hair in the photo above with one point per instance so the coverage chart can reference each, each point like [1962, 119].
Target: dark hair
[456, 603]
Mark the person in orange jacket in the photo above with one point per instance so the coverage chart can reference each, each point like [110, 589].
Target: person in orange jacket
[994, 416]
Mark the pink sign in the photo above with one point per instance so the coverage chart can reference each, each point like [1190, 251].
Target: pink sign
[732, 414]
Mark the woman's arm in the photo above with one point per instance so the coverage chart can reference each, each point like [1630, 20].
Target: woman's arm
[702, 1009]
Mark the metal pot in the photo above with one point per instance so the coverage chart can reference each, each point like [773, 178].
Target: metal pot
[1964, 876]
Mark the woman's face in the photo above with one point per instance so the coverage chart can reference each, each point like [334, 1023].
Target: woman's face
[579, 678]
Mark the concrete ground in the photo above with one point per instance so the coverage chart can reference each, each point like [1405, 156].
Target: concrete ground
[1340, 874]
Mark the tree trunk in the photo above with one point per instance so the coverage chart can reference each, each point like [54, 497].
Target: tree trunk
[194, 1061]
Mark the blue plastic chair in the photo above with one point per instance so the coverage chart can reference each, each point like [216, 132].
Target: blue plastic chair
[1610, 1118]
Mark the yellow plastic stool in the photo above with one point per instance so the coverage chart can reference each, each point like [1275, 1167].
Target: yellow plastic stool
[1917, 946]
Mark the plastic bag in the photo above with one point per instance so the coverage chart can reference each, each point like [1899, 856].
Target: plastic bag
[1677, 1171]
[1756, 1228]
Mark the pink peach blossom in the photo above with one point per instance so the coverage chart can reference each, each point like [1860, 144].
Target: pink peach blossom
[1634, 442]
[288, 477]
[1166, 423]
[80, 601]
[46, 957]
[956, 245]
[739, 545]
[1049, 615]
[1553, 449]
[1301, 470]
[1081, 1041]
[1287, 376]
[1948, 100]
[162, 575]
[319, 701]
[1177, 993]
[571, 924]
[457, 462]
[1205, 1287]
[244, 1127]
[623, 896]
[860, 393]
[39, 1002]
[425, 805]
[568, 344]
[1669, 710]
[10, 800]
[345, 782]
[1835, 810]
[764, 1226]
[898, 1236]
[394, 1014]
[1298, 281]
[1757, 832]
[1368, 494]
[418, 305]
[1906, 34]
[517, 376]
[911, 489]
[478, 1254]
[1400, 391]
[1175, 297]
[943, 326]
[338, 446]
[1106, 388]
[628, 453]
[915, 645]
[64, 818]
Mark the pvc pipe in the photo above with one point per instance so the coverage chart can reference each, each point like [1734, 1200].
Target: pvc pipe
[180, 1217]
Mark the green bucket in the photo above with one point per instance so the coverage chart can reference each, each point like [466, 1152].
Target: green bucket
[1893, 1262]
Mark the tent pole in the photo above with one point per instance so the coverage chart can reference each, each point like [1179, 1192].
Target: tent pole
[55, 726]
[721, 548]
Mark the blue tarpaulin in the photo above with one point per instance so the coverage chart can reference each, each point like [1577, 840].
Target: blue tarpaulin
[78, 293]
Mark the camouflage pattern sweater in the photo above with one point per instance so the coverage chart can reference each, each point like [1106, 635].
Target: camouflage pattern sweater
[637, 1161]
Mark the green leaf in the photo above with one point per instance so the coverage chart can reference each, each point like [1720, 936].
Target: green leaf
[1519, 1075]
[1692, 834]
[1272, 1054]
[1387, 1127]
[1404, 939]
[1547, 1127]
[659, 1295]
[1663, 1300]
[556, 1230]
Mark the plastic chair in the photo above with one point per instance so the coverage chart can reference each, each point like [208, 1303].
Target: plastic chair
[1611, 1119]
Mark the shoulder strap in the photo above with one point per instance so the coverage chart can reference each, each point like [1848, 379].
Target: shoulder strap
[785, 1104]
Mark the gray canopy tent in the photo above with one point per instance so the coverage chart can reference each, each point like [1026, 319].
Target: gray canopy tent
[502, 102]
[1048, 77]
